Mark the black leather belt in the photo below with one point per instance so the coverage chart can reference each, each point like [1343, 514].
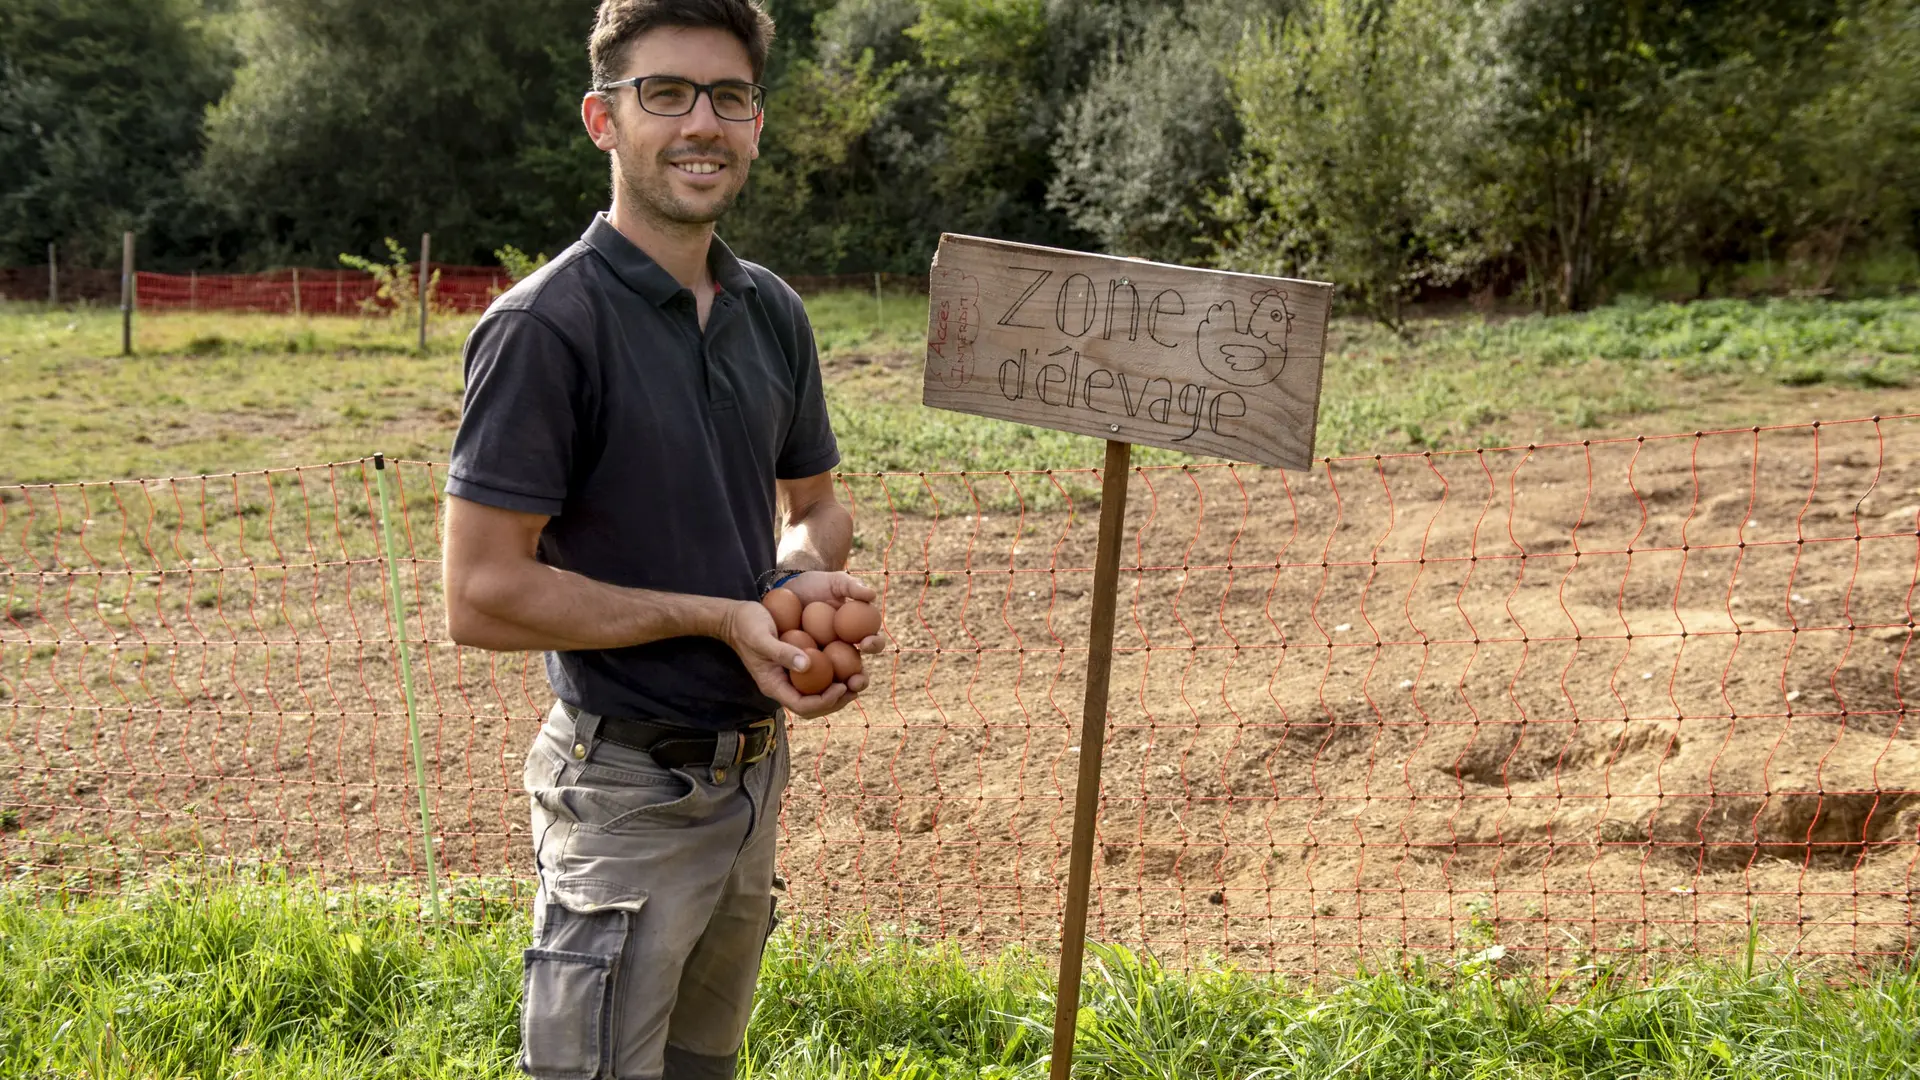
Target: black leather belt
[677, 747]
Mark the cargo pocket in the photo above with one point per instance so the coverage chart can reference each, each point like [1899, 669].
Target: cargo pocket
[567, 992]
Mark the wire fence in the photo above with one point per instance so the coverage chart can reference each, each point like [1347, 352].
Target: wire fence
[324, 292]
[1540, 707]
[284, 292]
[313, 292]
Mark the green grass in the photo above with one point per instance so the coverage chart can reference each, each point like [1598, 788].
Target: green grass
[218, 392]
[281, 980]
[1662, 366]
[1466, 381]
[1889, 271]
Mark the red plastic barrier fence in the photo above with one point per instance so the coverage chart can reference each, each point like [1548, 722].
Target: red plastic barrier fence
[311, 292]
[1537, 707]
[329, 292]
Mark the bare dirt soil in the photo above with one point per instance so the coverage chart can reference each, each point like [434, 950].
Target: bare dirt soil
[1578, 702]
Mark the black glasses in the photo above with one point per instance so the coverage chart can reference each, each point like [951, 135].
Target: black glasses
[670, 95]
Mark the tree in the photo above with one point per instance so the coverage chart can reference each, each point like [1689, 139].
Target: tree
[815, 116]
[957, 140]
[1712, 185]
[100, 107]
[1570, 119]
[1854, 147]
[358, 119]
[1350, 116]
[1153, 133]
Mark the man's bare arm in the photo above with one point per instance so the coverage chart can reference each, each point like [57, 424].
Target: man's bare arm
[500, 597]
[816, 536]
[816, 532]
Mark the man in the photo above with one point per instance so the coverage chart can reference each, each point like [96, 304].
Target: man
[636, 414]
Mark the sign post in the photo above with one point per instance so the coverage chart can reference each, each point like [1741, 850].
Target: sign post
[1129, 351]
[1093, 745]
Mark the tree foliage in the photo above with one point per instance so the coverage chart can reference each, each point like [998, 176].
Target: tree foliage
[1395, 146]
[1550, 148]
[1853, 146]
[1153, 133]
[1351, 112]
[100, 121]
[353, 120]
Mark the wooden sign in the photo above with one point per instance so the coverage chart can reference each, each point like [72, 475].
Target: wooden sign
[1204, 361]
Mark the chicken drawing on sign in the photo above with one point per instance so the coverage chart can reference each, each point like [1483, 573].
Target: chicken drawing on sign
[955, 326]
[1251, 357]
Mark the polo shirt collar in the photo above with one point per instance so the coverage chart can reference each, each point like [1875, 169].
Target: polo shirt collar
[649, 278]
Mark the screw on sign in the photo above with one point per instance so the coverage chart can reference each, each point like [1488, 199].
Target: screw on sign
[1131, 352]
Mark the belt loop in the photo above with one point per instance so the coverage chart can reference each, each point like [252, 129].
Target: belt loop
[586, 726]
[726, 751]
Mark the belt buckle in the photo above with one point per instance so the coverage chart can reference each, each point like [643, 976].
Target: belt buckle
[766, 746]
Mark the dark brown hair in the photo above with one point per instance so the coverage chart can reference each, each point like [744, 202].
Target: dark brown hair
[621, 22]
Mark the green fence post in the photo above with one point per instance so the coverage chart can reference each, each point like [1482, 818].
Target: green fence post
[406, 684]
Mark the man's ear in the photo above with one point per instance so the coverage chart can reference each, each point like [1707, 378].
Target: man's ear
[759, 125]
[597, 115]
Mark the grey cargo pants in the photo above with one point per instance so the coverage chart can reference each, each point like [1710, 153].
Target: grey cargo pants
[654, 906]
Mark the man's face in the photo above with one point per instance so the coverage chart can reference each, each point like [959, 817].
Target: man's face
[678, 170]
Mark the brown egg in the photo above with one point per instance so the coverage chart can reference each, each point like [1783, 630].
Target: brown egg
[856, 621]
[799, 639]
[817, 620]
[817, 677]
[785, 609]
[845, 659]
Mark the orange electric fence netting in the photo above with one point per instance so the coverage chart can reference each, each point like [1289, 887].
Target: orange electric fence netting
[1555, 705]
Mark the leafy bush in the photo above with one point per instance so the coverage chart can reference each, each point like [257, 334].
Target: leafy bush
[396, 284]
[517, 263]
[1351, 118]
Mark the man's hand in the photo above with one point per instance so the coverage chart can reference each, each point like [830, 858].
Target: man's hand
[835, 587]
[748, 629]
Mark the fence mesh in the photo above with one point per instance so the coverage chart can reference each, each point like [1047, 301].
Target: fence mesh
[1555, 705]
[312, 292]
[324, 292]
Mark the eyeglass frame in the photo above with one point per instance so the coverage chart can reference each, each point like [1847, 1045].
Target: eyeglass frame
[699, 88]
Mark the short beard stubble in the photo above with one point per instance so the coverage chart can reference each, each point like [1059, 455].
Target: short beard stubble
[651, 192]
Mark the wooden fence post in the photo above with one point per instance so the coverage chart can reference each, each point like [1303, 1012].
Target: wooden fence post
[53, 276]
[296, 291]
[426, 241]
[126, 294]
[1093, 741]
[193, 290]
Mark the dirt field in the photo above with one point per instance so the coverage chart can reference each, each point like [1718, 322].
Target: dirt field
[1575, 702]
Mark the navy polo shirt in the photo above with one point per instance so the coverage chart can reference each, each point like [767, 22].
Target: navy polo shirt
[593, 397]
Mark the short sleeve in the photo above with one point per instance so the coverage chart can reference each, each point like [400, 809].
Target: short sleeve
[525, 405]
[809, 449]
